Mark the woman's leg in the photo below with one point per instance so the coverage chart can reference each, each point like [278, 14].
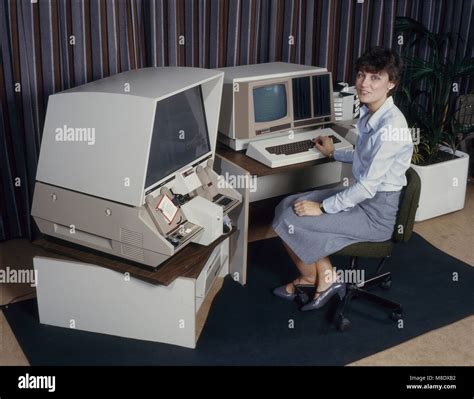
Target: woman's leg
[308, 273]
[326, 274]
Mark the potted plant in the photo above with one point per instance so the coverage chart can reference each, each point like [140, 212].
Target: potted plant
[427, 97]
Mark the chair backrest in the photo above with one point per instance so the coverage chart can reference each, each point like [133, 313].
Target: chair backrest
[407, 208]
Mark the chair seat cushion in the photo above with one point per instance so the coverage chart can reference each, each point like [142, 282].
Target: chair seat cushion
[368, 249]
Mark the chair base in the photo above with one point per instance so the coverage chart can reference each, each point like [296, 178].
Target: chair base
[354, 291]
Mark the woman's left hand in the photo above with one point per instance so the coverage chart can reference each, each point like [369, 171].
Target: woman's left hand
[307, 208]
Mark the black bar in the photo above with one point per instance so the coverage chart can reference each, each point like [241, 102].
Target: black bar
[455, 382]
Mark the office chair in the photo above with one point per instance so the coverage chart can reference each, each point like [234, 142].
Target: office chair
[403, 231]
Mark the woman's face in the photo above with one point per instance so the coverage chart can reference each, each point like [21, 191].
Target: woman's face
[373, 88]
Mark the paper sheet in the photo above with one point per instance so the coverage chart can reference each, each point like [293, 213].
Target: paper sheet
[167, 208]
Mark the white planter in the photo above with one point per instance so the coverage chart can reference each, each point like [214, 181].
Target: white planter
[443, 186]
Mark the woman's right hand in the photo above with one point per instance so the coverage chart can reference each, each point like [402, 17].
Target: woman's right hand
[325, 145]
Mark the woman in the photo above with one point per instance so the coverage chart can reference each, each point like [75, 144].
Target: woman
[316, 224]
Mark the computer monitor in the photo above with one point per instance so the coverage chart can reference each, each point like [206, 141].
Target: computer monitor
[270, 103]
[271, 99]
[180, 135]
[150, 126]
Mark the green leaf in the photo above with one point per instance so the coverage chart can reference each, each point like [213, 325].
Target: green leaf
[425, 96]
[463, 68]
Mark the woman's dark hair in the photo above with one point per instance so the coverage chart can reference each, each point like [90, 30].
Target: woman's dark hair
[379, 59]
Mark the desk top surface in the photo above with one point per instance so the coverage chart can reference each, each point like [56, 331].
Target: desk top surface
[188, 262]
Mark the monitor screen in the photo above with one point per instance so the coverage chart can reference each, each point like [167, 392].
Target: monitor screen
[269, 102]
[322, 95]
[302, 98]
[180, 134]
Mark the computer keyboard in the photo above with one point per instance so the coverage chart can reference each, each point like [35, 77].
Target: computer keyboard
[283, 150]
[296, 147]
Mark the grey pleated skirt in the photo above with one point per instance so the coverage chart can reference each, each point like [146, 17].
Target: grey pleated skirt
[313, 237]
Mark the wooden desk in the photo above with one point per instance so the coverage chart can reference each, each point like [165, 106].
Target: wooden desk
[188, 262]
[261, 183]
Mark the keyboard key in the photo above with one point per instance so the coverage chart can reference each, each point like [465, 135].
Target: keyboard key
[224, 201]
[335, 140]
[291, 148]
[296, 147]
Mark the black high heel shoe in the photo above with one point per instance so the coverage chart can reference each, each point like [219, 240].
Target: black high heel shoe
[325, 296]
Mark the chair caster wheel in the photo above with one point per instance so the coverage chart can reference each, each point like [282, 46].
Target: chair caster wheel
[343, 324]
[387, 284]
[395, 316]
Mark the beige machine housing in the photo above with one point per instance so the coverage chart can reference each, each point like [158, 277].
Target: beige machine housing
[237, 124]
[94, 193]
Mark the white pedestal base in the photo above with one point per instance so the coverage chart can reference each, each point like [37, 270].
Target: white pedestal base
[92, 298]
